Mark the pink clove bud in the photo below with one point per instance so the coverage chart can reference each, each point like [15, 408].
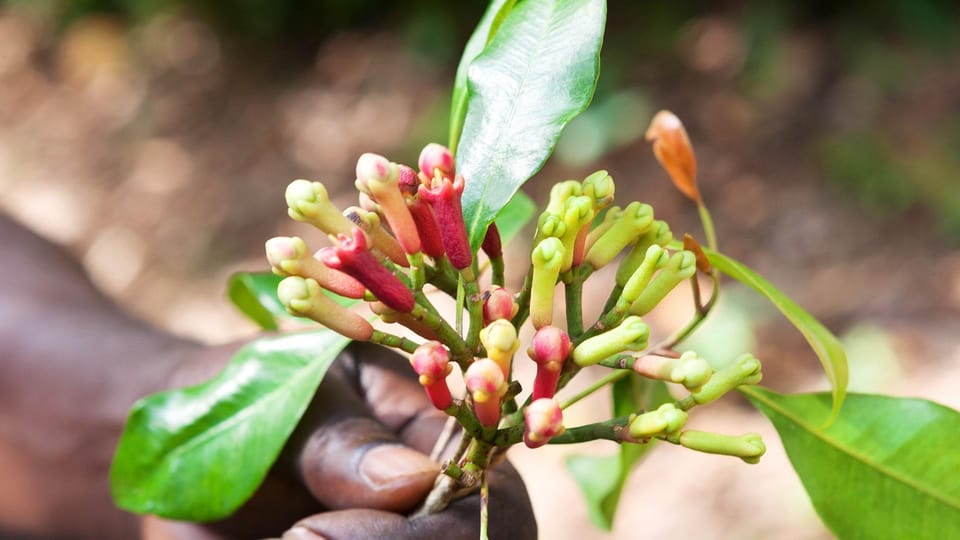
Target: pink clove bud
[543, 421]
[485, 382]
[549, 349]
[498, 303]
[304, 298]
[444, 194]
[352, 256]
[288, 256]
[380, 177]
[431, 362]
[436, 157]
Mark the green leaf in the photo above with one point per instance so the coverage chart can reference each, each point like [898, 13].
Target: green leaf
[255, 295]
[824, 344]
[537, 73]
[886, 468]
[518, 212]
[601, 478]
[486, 28]
[199, 453]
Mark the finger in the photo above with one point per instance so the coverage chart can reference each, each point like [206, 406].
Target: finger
[358, 463]
[511, 516]
[395, 398]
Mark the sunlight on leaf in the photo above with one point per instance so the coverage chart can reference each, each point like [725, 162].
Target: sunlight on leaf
[886, 468]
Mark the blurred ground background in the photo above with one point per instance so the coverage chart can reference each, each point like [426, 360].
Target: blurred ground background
[154, 139]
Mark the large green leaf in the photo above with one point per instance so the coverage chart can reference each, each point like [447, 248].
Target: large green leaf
[198, 453]
[518, 212]
[486, 28]
[602, 478]
[886, 468]
[537, 73]
[824, 344]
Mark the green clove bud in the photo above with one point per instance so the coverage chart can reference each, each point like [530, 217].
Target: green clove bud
[631, 335]
[749, 447]
[634, 221]
[305, 298]
[681, 266]
[546, 257]
[666, 420]
[745, 369]
[659, 234]
[599, 187]
[560, 192]
[690, 369]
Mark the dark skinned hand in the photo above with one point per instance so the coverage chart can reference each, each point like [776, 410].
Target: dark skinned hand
[355, 466]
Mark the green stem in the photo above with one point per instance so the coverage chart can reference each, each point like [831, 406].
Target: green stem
[443, 276]
[496, 268]
[523, 300]
[447, 335]
[597, 385]
[696, 321]
[475, 309]
[611, 430]
[417, 271]
[707, 221]
[465, 417]
[484, 505]
[573, 292]
[391, 340]
[612, 299]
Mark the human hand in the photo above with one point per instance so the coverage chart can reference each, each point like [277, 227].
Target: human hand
[358, 462]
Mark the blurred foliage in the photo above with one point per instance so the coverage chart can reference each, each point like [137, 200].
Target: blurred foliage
[879, 50]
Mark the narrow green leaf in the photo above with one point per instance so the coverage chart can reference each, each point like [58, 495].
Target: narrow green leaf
[199, 453]
[486, 28]
[886, 468]
[824, 344]
[602, 478]
[255, 295]
[518, 212]
[537, 73]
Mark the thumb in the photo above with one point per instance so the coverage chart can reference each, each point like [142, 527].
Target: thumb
[357, 462]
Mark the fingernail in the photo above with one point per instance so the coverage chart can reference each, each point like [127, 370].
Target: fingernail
[390, 465]
[302, 533]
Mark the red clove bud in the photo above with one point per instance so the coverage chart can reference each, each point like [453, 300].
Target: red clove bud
[498, 303]
[485, 382]
[549, 349]
[422, 213]
[444, 195]
[352, 256]
[543, 421]
[431, 362]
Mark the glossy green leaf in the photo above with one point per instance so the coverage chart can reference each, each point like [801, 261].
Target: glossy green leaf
[537, 73]
[486, 28]
[601, 478]
[198, 453]
[886, 468]
[518, 212]
[824, 344]
[255, 295]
